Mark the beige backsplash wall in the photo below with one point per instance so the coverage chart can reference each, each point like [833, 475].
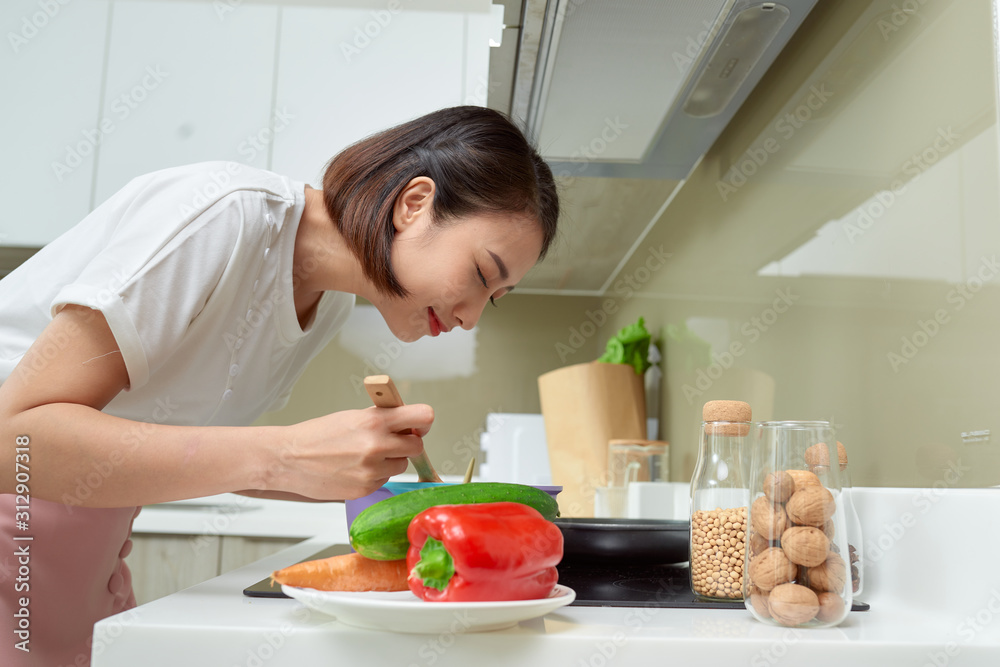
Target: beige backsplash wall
[901, 428]
[516, 342]
[894, 93]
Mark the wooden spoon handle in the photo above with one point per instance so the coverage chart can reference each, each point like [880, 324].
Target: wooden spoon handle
[384, 394]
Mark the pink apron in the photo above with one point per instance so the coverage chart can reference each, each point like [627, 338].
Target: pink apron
[75, 575]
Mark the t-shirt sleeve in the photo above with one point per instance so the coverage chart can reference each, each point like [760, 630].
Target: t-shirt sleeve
[162, 260]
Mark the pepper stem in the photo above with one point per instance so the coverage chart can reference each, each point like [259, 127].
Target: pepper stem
[435, 567]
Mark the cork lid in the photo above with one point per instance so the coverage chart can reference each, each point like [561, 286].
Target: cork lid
[727, 411]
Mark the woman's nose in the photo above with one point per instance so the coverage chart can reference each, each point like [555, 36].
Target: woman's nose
[468, 315]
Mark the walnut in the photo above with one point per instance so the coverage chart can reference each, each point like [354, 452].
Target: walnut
[831, 607]
[804, 478]
[811, 506]
[766, 519]
[819, 455]
[771, 568]
[829, 575]
[792, 604]
[758, 543]
[805, 545]
[779, 486]
[758, 599]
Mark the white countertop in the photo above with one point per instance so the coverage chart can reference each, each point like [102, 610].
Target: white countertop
[233, 514]
[932, 584]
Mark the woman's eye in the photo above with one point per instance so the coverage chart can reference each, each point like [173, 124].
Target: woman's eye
[483, 278]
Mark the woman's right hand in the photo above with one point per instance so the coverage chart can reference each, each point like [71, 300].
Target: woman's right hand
[347, 454]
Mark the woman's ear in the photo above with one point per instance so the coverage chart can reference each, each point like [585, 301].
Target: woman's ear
[416, 200]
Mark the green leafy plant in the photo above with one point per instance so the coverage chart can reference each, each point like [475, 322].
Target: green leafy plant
[629, 346]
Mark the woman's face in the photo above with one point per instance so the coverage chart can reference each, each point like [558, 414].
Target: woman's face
[452, 270]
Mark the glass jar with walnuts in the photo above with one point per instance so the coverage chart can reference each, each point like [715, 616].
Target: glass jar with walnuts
[797, 572]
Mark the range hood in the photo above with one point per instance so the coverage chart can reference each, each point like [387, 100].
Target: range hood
[642, 88]
[623, 98]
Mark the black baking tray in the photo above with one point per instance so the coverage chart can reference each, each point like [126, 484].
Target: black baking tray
[264, 589]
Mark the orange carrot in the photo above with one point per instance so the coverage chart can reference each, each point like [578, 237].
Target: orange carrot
[347, 572]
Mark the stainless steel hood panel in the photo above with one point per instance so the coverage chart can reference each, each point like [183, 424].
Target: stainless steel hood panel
[615, 82]
[602, 88]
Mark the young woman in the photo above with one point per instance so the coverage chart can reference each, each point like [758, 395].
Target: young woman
[136, 348]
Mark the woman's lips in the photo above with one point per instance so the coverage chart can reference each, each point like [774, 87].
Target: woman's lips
[435, 324]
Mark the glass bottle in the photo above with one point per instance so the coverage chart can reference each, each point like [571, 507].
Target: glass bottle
[720, 497]
[797, 575]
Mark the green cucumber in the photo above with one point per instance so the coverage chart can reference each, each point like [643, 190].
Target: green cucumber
[379, 531]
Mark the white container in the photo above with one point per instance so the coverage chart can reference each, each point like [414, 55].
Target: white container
[515, 450]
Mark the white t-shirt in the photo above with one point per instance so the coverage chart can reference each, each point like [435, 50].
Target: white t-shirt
[192, 269]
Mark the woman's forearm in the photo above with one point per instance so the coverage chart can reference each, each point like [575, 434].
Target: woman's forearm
[80, 456]
[282, 495]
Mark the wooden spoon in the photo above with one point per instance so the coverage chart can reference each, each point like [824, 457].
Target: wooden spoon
[384, 394]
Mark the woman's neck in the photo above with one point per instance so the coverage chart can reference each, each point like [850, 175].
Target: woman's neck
[323, 262]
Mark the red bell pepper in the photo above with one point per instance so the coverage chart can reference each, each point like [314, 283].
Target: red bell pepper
[484, 551]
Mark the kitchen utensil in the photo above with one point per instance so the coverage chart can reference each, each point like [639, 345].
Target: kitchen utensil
[384, 394]
[635, 540]
[468, 471]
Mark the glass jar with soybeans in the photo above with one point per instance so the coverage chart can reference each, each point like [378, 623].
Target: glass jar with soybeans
[797, 572]
[720, 496]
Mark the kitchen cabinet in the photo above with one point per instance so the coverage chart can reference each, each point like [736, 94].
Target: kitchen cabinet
[345, 74]
[51, 77]
[173, 106]
[179, 544]
[271, 85]
[164, 564]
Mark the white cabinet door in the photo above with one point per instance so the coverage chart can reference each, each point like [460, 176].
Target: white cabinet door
[346, 73]
[104, 92]
[185, 83]
[164, 564]
[50, 75]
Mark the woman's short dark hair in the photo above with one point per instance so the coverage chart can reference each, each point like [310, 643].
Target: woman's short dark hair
[480, 163]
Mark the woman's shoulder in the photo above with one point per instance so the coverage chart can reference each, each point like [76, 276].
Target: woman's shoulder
[201, 183]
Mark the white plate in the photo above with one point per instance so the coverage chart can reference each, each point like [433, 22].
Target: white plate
[402, 611]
